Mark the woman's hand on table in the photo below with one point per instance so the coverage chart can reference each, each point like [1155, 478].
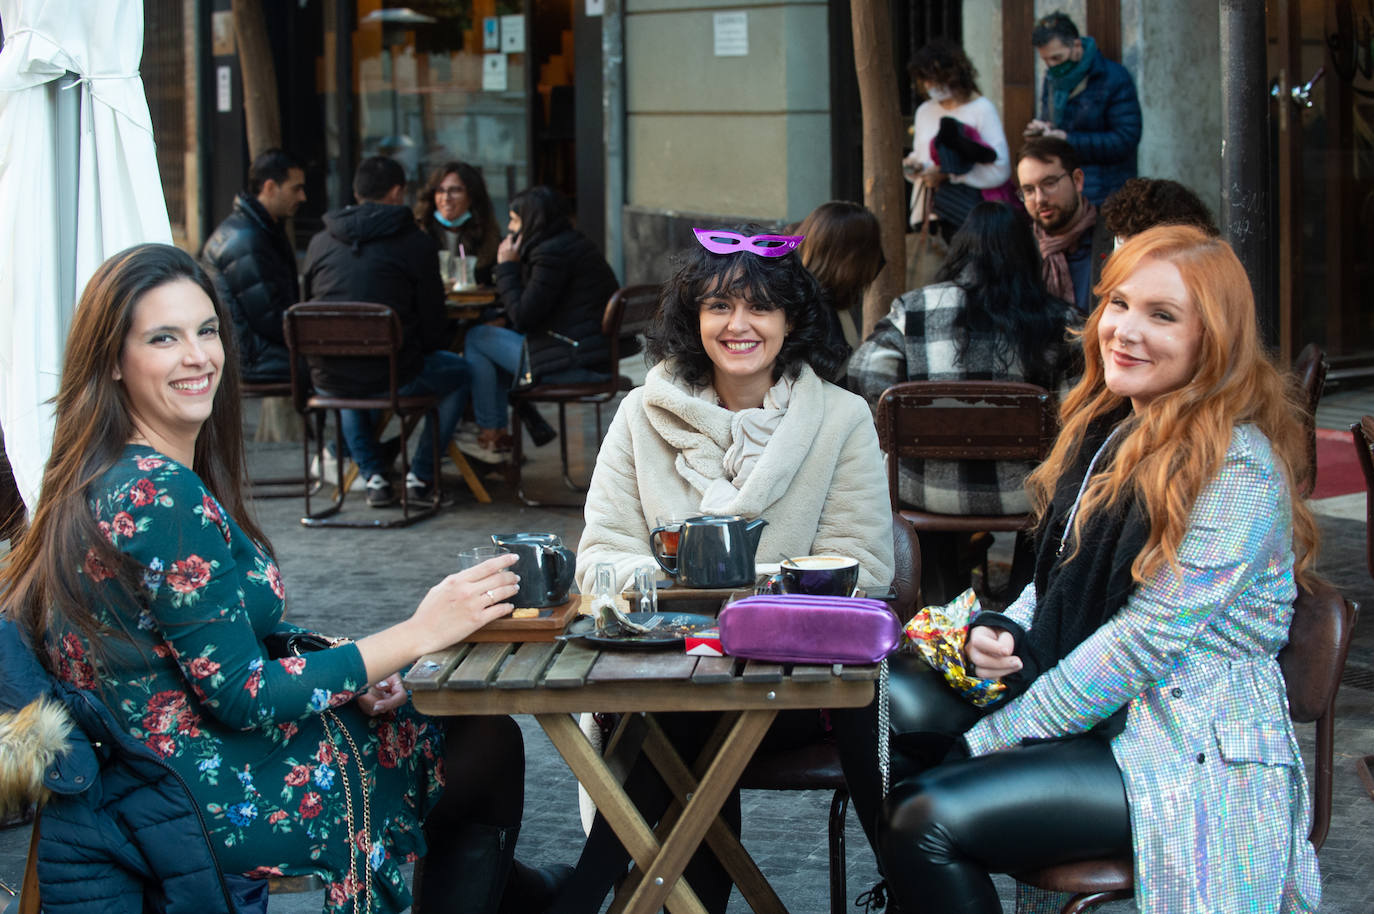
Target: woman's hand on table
[990, 651]
[509, 250]
[384, 696]
[462, 603]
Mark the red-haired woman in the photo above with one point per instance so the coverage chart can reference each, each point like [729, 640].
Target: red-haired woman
[1153, 718]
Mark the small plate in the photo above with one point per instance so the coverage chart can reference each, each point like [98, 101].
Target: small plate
[672, 628]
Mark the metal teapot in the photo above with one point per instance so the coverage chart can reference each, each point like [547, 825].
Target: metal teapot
[713, 551]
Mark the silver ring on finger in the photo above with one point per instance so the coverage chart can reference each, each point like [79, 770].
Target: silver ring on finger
[491, 598]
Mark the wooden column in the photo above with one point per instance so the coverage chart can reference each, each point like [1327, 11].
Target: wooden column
[1018, 69]
[884, 188]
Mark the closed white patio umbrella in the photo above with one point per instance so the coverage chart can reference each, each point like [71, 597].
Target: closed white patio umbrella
[78, 182]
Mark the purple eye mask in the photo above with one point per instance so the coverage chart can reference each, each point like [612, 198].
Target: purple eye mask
[718, 241]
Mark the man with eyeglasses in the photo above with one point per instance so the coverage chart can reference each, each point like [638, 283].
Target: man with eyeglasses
[1088, 101]
[1050, 184]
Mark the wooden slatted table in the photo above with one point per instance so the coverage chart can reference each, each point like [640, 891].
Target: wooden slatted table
[553, 680]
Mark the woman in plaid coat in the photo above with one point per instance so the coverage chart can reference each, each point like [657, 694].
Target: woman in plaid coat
[1152, 715]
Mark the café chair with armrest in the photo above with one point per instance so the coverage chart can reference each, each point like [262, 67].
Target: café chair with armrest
[967, 421]
[594, 393]
[352, 330]
[1363, 433]
[1312, 662]
[817, 766]
[1309, 370]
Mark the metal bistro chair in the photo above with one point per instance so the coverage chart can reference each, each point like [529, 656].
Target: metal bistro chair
[965, 421]
[271, 486]
[352, 330]
[1309, 371]
[627, 299]
[817, 766]
[1312, 661]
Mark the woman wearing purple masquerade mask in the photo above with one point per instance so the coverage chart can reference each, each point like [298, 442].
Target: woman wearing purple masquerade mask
[734, 418]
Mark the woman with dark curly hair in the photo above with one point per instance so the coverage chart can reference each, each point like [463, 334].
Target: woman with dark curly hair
[455, 209]
[736, 418]
[954, 165]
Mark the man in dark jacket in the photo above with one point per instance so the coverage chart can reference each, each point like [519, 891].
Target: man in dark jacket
[374, 251]
[1089, 101]
[254, 267]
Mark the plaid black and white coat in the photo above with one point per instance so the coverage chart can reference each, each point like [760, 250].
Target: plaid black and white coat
[918, 341]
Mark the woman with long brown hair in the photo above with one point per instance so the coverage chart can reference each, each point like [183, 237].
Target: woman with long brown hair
[1150, 715]
[144, 585]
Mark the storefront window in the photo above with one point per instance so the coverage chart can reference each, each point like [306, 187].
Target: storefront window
[436, 80]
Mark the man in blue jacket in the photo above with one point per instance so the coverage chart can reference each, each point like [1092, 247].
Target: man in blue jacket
[1089, 101]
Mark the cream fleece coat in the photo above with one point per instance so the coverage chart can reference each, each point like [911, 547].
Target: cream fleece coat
[820, 482]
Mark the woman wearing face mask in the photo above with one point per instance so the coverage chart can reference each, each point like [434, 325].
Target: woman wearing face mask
[455, 209]
[956, 179]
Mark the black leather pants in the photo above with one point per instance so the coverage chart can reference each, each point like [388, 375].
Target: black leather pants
[941, 832]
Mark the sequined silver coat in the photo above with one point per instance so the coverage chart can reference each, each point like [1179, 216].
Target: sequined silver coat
[1218, 795]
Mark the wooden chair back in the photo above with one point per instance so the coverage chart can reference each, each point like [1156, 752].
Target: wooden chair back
[965, 421]
[335, 329]
[640, 305]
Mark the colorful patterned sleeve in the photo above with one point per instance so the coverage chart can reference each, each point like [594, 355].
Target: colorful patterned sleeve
[1240, 521]
[193, 597]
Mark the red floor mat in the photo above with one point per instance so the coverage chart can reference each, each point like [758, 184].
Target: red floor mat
[1338, 467]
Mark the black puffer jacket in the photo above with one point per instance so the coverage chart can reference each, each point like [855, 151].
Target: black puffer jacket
[120, 833]
[561, 287]
[373, 252]
[253, 267]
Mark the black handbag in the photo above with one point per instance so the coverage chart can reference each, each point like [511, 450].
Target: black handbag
[920, 716]
[293, 644]
[953, 202]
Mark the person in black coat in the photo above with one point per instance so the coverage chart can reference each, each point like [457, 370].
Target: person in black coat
[553, 285]
[253, 265]
[374, 251]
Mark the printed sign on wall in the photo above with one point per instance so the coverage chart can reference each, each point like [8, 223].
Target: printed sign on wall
[732, 34]
[494, 72]
[513, 34]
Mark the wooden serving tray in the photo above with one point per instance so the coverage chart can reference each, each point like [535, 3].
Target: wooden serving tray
[545, 627]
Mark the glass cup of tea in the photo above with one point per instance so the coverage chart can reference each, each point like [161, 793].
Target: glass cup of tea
[667, 531]
[470, 558]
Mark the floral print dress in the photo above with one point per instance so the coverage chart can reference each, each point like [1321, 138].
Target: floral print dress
[245, 733]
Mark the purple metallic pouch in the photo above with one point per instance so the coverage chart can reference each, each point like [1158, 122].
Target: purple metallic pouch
[798, 628]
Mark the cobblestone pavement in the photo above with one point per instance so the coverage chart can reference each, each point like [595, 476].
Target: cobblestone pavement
[352, 582]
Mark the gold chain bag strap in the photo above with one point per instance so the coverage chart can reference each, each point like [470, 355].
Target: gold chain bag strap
[297, 644]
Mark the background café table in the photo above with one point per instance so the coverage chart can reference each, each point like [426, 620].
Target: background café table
[551, 680]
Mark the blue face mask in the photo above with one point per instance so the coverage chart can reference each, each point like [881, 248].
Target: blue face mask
[454, 223]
